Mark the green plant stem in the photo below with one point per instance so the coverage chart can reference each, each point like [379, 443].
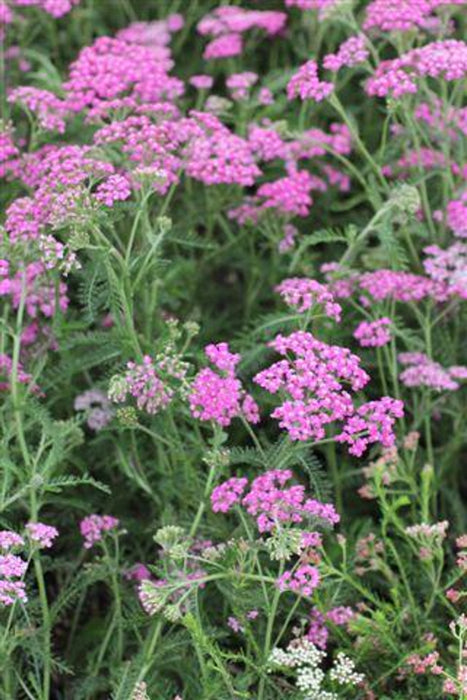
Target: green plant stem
[202, 505]
[268, 635]
[149, 651]
[336, 478]
[336, 103]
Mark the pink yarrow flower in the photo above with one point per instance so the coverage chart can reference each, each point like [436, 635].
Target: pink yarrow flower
[314, 380]
[352, 52]
[302, 581]
[306, 84]
[42, 535]
[404, 15]
[217, 394]
[201, 82]
[373, 422]
[12, 566]
[446, 60]
[227, 494]
[94, 526]
[11, 592]
[373, 334]
[273, 503]
[225, 46]
[457, 215]
[422, 371]
[115, 188]
[305, 293]
[10, 540]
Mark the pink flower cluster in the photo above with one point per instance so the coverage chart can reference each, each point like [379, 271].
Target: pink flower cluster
[306, 84]
[287, 196]
[218, 395]
[440, 59]
[94, 526]
[317, 632]
[448, 268]
[157, 33]
[400, 286]
[12, 568]
[301, 581]
[143, 382]
[201, 144]
[227, 24]
[425, 664]
[51, 111]
[313, 384]
[422, 371]
[272, 503]
[372, 422]
[352, 52]
[55, 8]
[442, 119]
[374, 334]
[112, 68]
[290, 194]
[457, 215]
[304, 294]
[225, 46]
[9, 152]
[239, 84]
[313, 387]
[115, 188]
[268, 145]
[42, 535]
[6, 366]
[57, 175]
[227, 494]
[404, 15]
[201, 82]
[214, 155]
[39, 293]
[9, 540]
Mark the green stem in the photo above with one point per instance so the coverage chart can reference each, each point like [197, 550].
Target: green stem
[269, 631]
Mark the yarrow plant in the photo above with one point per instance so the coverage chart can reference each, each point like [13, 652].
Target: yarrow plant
[233, 279]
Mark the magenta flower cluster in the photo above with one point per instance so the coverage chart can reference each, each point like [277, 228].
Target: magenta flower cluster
[457, 215]
[350, 53]
[311, 378]
[400, 76]
[318, 632]
[374, 334]
[226, 26]
[272, 503]
[305, 294]
[307, 85]
[42, 535]
[313, 386]
[143, 382]
[217, 394]
[94, 526]
[421, 371]
[13, 567]
[302, 581]
[404, 15]
[372, 422]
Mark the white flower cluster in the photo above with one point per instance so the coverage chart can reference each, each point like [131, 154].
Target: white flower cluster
[303, 656]
[343, 671]
[300, 652]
